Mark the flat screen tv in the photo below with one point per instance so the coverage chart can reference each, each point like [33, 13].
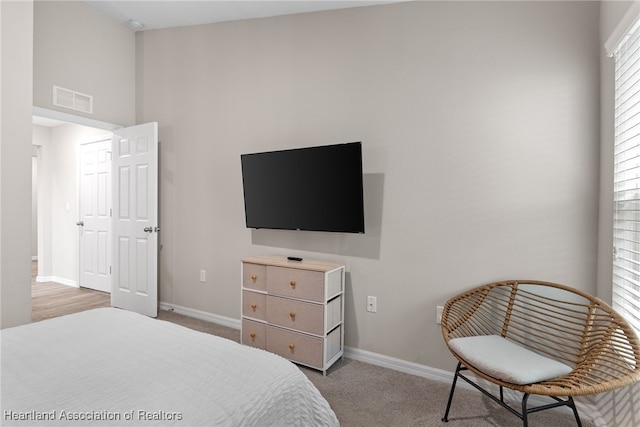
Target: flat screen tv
[312, 188]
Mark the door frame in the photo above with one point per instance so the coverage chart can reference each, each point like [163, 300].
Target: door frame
[69, 118]
[78, 120]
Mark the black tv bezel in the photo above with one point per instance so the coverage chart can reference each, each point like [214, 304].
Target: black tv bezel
[359, 217]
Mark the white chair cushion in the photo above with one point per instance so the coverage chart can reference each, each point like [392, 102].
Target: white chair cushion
[506, 360]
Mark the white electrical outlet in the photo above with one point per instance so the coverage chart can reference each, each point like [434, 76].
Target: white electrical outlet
[203, 276]
[439, 314]
[372, 304]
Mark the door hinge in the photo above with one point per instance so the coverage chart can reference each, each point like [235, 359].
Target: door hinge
[111, 212]
[109, 269]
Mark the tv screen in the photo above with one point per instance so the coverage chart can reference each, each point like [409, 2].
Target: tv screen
[313, 188]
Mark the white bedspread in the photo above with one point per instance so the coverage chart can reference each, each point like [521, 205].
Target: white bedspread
[113, 367]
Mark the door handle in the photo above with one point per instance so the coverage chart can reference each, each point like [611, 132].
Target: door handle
[148, 229]
[80, 223]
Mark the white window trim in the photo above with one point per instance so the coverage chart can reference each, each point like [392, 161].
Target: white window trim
[622, 29]
[626, 227]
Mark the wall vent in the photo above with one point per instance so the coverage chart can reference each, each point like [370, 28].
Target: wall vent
[73, 100]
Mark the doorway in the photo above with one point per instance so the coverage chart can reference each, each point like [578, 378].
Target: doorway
[62, 204]
[57, 137]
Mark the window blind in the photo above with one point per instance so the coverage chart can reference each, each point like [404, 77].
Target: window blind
[626, 227]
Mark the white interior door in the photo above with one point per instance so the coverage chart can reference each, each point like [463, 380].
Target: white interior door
[94, 222]
[135, 219]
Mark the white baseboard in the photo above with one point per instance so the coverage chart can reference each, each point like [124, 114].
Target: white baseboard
[398, 364]
[202, 315]
[56, 279]
[585, 409]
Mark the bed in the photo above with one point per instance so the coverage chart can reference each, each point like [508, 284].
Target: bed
[112, 367]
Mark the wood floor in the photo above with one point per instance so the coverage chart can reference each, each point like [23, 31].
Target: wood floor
[49, 299]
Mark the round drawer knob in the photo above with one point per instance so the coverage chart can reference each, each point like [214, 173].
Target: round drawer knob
[254, 277]
[252, 334]
[291, 346]
[292, 314]
[253, 306]
[292, 283]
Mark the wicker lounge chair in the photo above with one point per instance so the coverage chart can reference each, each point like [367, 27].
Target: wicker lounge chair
[539, 338]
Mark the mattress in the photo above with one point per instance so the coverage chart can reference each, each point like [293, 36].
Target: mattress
[112, 367]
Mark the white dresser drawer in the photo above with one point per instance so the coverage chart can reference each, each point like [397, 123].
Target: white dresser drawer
[295, 346]
[254, 305]
[254, 276]
[298, 315]
[254, 334]
[295, 283]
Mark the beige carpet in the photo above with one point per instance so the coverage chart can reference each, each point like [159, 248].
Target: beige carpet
[368, 395]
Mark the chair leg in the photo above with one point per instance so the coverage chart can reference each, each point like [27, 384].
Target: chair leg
[569, 402]
[572, 405]
[453, 388]
[525, 411]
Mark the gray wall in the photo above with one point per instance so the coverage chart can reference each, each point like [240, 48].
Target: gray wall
[16, 65]
[480, 125]
[77, 48]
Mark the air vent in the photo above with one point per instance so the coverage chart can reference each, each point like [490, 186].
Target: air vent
[73, 100]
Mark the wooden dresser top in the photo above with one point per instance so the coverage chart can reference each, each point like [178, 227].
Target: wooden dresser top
[305, 264]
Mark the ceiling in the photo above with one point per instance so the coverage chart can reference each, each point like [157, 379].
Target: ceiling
[142, 15]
